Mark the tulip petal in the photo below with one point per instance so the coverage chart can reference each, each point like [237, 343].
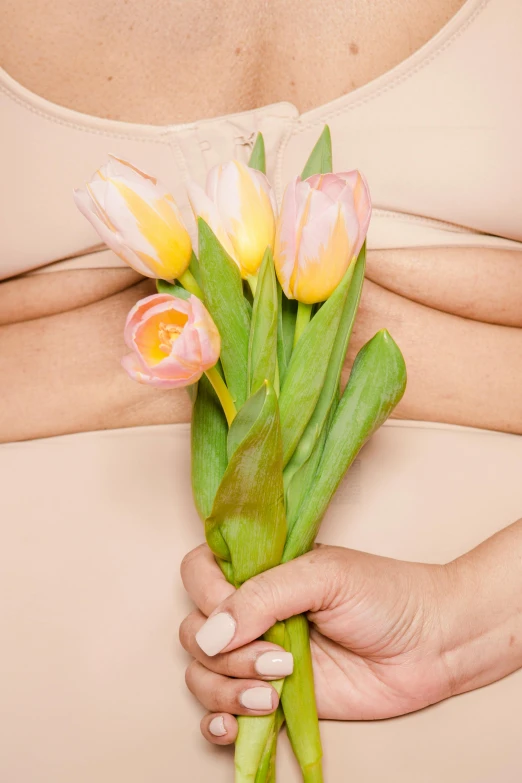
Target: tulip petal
[138, 313]
[88, 205]
[244, 204]
[123, 169]
[111, 201]
[316, 205]
[206, 209]
[207, 332]
[212, 182]
[173, 341]
[330, 184]
[322, 226]
[285, 238]
[155, 335]
[145, 227]
[311, 211]
[112, 240]
[167, 244]
[325, 252]
[363, 207]
[139, 373]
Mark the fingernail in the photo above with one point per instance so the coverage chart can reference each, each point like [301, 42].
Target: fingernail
[217, 632]
[275, 664]
[217, 726]
[257, 699]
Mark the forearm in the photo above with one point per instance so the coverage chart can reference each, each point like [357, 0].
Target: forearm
[482, 620]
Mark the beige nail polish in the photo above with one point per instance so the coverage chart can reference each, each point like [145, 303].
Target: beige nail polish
[275, 664]
[217, 632]
[257, 699]
[217, 726]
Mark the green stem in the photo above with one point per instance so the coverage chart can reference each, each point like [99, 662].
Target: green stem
[304, 313]
[257, 734]
[223, 393]
[189, 282]
[252, 282]
[313, 774]
[252, 739]
[267, 766]
[298, 700]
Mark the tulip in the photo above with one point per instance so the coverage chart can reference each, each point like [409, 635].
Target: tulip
[239, 206]
[173, 341]
[321, 229]
[137, 218]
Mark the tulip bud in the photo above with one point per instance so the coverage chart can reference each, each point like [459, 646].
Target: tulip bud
[173, 341]
[239, 206]
[321, 228]
[137, 218]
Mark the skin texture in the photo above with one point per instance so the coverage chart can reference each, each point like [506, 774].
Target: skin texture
[388, 637]
[126, 60]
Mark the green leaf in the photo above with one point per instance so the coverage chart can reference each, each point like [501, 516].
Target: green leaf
[286, 315]
[223, 289]
[299, 481]
[243, 423]
[262, 348]
[308, 367]
[164, 287]
[254, 531]
[376, 384]
[302, 462]
[258, 157]
[320, 160]
[209, 452]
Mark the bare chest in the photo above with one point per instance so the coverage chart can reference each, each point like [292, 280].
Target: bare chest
[165, 62]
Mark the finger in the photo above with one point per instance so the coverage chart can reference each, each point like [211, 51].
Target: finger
[300, 586]
[204, 580]
[223, 694]
[259, 659]
[219, 728]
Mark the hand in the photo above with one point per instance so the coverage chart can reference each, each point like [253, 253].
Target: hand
[377, 636]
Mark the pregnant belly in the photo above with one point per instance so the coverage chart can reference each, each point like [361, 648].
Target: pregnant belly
[455, 315]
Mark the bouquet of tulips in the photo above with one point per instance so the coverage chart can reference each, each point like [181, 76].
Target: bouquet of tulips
[257, 327]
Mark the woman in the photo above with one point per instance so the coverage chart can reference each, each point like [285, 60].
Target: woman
[96, 505]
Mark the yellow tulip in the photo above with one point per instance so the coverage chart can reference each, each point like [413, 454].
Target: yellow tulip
[321, 228]
[137, 218]
[239, 206]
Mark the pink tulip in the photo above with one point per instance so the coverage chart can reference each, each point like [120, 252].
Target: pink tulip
[321, 228]
[173, 341]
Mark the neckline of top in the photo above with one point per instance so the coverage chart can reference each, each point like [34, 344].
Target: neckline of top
[455, 26]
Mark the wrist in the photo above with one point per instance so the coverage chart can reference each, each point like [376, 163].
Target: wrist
[480, 618]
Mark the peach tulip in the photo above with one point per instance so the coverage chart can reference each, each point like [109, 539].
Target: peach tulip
[239, 206]
[137, 218]
[321, 228]
[173, 341]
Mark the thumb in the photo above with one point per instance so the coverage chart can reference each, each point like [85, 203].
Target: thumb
[282, 592]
